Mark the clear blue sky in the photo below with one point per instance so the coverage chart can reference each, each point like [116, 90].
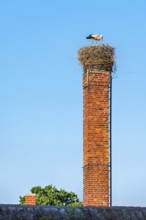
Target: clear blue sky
[41, 94]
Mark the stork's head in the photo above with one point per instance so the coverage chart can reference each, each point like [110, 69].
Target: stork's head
[101, 36]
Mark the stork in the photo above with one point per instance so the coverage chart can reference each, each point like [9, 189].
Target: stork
[95, 37]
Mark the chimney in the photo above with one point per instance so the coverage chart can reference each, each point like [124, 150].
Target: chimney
[98, 64]
[30, 199]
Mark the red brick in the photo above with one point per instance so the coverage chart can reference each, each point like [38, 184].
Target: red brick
[30, 199]
[95, 138]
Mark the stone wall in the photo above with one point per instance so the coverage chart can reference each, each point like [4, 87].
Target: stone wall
[25, 212]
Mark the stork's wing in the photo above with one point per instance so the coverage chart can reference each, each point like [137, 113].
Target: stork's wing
[89, 37]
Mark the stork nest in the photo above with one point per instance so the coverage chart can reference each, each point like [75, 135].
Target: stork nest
[99, 57]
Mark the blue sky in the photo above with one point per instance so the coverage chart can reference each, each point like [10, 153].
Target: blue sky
[41, 94]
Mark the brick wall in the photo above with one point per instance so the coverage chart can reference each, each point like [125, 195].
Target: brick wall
[30, 199]
[95, 138]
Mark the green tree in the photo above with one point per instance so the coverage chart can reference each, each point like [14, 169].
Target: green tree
[50, 195]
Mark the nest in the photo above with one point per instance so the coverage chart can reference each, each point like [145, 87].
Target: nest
[99, 57]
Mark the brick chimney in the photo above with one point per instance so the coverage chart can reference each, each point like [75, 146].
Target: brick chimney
[97, 62]
[30, 199]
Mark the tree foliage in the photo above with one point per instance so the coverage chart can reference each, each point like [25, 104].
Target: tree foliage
[50, 195]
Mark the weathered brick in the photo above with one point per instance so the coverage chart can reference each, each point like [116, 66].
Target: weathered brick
[30, 199]
[95, 138]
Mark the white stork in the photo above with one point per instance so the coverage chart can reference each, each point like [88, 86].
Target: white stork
[95, 37]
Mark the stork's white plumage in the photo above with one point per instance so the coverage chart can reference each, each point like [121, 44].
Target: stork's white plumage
[95, 37]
